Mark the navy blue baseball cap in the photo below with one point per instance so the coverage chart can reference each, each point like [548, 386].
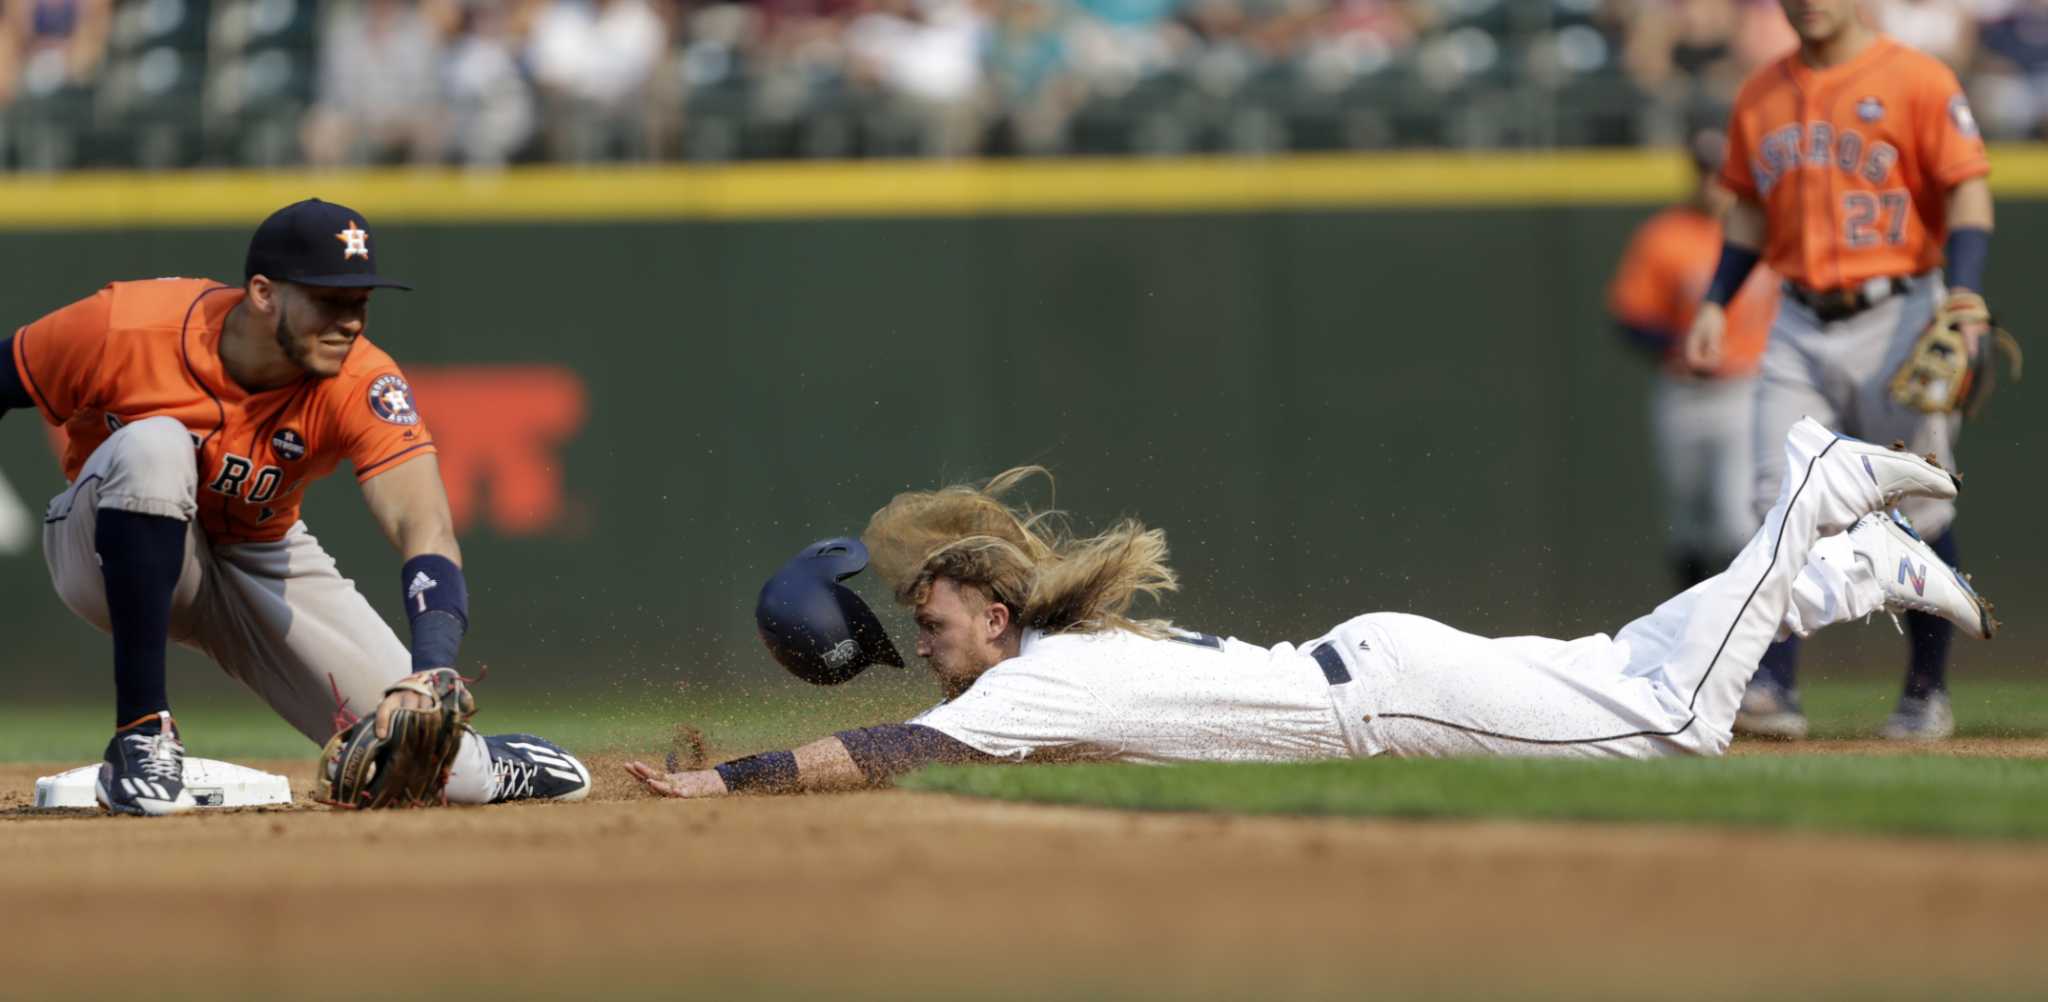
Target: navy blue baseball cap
[316, 243]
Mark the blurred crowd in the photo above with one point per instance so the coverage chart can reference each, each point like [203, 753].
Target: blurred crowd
[164, 83]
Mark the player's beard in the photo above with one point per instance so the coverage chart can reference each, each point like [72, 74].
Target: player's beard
[298, 352]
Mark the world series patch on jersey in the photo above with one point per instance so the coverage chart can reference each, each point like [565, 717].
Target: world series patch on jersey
[1852, 163]
[143, 349]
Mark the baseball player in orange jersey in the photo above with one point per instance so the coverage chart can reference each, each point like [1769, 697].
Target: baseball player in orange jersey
[1700, 421]
[197, 413]
[1859, 174]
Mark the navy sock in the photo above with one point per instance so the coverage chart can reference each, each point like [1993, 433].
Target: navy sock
[140, 557]
[1780, 662]
[1929, 635]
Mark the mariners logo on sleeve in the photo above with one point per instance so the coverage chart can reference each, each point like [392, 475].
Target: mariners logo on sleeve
[289, 445]
[391, 400]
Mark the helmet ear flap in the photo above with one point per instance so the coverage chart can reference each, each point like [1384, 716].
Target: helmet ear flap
[816, 628]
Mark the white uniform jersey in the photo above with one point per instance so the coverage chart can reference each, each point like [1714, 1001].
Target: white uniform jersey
[1120, 696]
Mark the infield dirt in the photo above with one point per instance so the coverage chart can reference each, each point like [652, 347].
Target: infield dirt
[888, 895]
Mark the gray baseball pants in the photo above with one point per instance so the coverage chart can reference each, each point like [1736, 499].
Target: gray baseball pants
[277, 617]
[1701, 429]
[1840, 375]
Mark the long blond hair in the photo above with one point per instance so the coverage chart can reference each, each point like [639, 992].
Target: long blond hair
[1028, 560]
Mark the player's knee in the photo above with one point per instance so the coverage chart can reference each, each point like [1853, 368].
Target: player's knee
[154, 469]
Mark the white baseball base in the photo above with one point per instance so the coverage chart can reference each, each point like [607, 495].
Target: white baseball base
[213, 784]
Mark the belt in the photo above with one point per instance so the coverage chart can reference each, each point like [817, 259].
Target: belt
[1331, 662]
[1841, 304]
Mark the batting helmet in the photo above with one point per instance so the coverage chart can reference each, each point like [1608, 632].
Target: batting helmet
[816, 627]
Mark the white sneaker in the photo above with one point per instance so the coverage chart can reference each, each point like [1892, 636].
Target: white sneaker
[1929, 719]
[1769, 710]
[1914, 578]
[1855, 478]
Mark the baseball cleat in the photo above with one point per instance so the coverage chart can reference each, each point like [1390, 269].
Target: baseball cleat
[1770, 710]
[1914, 578]
[1858, 477]
[524, 767]
[144, 770]
[1927, 719]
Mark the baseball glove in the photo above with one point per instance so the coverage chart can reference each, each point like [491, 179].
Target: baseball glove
[1939, 376]
[407, 768]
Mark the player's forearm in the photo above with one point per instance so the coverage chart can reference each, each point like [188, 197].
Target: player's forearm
[1968, 249]
[819, 766]
[1742, 234]
[1745, 225]
[849, 760]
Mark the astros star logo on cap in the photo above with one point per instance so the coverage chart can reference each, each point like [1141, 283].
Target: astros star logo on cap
[357, 239]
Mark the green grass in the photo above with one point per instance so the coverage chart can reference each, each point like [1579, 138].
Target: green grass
[775, 714]
[2003, 709]
[1938, 796]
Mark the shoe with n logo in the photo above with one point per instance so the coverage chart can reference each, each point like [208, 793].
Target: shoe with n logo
[1927, 718]
[144, 770]
[524, 767]
[1914, 578]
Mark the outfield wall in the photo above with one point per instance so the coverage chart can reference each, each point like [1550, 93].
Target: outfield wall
[1336, 387]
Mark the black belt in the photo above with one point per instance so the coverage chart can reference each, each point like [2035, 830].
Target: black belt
[1841, 304]
[1331, 662]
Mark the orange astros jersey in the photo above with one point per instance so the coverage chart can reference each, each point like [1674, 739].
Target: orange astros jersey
[1853, 163]
[141, 349]
[1664, 276]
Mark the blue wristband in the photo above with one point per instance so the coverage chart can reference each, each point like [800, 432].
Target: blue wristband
[768, 772]
[1967, 250]
[437, 604]
[1734, 269]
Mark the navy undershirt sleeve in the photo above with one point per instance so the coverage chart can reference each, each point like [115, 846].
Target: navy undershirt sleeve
[888, 751]
[13, 395]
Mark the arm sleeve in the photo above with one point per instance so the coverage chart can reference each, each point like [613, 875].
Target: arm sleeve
[56, 358]
[1954, 148]
[1734, 174]
[382, 425]
[1018, 710]
[888, 751]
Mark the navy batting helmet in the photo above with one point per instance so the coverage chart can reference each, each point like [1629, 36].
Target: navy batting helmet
[816, 627]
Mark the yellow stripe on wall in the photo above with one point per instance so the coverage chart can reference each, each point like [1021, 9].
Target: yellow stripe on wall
[919, 188]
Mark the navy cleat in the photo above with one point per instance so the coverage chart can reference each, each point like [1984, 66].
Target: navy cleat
[144, 770]
[524, 767]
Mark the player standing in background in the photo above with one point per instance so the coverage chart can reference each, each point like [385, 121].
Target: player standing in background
[1858, 172]
[196, 414]
[1700, 422]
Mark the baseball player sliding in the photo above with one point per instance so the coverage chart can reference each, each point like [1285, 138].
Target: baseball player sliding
[1858, 172]
[1029, 634]
[197, 413]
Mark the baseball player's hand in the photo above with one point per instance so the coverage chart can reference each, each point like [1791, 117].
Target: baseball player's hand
[1703, 341]
[1972, 318]
[696, 783]
[401, 699]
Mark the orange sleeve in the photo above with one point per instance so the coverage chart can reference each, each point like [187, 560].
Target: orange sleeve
[1734, 174]
[58, 356]
[1641, 295]
[1950, 143]
[382, 426]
